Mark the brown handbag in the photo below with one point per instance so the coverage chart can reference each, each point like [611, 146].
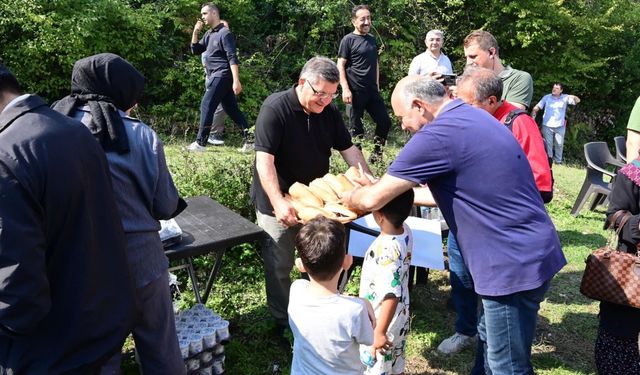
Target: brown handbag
[612, 275]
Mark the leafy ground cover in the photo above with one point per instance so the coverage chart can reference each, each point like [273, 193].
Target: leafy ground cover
[567, 320]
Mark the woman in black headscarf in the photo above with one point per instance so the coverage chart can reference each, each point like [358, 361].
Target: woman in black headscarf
[103, 87]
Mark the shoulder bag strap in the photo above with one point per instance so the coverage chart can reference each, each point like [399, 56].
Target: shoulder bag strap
[615, 217]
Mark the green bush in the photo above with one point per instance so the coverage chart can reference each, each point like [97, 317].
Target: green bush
[590, 46]
[224, 176]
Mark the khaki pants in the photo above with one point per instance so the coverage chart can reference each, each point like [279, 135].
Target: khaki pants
[278, 254]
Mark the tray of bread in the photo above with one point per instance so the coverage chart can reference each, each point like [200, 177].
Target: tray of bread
[322, 195]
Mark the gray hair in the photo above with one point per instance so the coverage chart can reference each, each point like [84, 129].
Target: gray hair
[320, 67]
[434, 31]
[426, 89]
[485, 83]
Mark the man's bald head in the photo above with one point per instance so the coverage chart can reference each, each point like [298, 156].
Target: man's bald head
[416, 100]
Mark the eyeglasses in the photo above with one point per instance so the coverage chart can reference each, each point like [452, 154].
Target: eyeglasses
[322, 94]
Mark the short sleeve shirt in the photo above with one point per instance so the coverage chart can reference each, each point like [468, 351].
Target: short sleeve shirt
[525, 129]
[361, 53]
[301, 143]
[327, 332]
[555, 108]
[385, 270]
[634, 118]
[483, 184]
[424, 64]
[517, 86]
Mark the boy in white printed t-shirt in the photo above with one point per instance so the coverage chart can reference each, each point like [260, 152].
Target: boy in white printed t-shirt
[384, 282]
[328, 328]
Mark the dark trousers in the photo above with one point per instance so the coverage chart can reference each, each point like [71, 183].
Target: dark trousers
[219, 90]
[155, 335]
[372, 102]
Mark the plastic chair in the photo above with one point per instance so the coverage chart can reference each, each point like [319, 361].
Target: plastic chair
[598, 157]
[621, 149]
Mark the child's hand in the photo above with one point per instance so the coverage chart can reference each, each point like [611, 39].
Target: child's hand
[380, 342]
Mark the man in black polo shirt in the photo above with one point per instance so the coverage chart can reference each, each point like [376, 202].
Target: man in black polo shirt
[223, 79]
[295, 132]
[359, 78]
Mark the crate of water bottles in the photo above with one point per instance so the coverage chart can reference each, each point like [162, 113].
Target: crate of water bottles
[202, 335]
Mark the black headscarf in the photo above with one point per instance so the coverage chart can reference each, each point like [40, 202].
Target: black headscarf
[106, 82]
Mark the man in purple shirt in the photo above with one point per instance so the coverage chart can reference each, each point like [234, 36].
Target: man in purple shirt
[483, 184]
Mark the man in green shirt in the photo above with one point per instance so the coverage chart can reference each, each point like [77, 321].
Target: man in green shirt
[481, 49]
[633, 132]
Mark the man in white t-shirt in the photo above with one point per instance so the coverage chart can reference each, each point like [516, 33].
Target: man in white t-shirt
[553, 122]
[432, 60]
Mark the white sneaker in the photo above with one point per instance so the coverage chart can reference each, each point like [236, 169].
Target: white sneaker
[456, 343]
[195, 147]
[247, 147]
[215, 140]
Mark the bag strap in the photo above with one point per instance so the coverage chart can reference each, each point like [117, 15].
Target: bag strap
[623, 221]
[614, 218]
[508, 121]
[615, 233]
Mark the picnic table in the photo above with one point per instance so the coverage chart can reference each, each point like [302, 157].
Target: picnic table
[209, 228]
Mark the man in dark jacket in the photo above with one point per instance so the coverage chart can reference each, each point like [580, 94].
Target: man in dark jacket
[66, 295]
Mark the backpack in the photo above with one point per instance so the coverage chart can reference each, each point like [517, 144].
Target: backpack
[547, 196]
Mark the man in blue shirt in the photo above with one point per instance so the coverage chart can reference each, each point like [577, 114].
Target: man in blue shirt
[553, 123]
[223, 77]
[483, 184]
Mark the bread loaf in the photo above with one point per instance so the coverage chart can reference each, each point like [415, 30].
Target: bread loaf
[325, 195]
[321, 183]
[345, 183]
[306, 213]
[301, 193]
[341, 211]
[335, 184]
[353, 174]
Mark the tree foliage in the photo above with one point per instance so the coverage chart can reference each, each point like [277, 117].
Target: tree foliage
[589, 45]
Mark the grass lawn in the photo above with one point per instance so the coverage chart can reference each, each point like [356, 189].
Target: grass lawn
[566, 327]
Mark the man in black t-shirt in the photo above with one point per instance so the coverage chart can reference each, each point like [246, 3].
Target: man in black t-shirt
[295, 132]
[359, 78]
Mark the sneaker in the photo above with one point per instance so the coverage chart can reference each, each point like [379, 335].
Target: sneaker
[247, 147]
[195, 147]
[456, 343]
[215, 140]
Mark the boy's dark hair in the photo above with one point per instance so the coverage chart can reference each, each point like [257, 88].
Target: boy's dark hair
[321, 247]
[559, 84]
[8, 81]
[356, 8]
[398, 209]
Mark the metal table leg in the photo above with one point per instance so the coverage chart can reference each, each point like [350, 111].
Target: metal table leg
[213, 275]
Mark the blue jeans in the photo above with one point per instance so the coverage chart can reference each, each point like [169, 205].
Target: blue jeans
[507, 327]
[219, 90]
[464, 298]
[554, 142]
